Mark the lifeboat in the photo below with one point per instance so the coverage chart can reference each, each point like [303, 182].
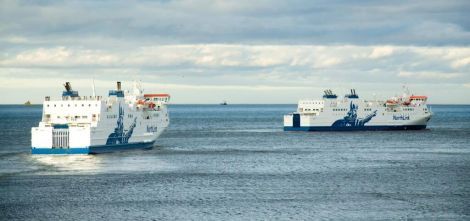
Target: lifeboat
[415, 97]
[391, 102]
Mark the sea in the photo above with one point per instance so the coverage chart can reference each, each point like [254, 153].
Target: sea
[235, 162]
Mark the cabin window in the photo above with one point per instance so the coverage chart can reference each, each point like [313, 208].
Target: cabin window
[85, 117]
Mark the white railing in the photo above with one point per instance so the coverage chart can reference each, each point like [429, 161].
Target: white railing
[60, 138]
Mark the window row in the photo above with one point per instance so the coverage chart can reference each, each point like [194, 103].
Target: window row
[112, 116]
[68, 105]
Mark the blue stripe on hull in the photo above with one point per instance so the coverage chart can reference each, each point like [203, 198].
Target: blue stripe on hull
[362, 128]
[116, 147]
[60, 151]
[93, 149]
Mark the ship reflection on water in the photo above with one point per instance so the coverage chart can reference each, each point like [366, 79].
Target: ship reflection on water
[70, 163]
[102, 164]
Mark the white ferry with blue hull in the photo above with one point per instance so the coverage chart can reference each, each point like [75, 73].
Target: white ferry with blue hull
[92, 124]
[407, 112]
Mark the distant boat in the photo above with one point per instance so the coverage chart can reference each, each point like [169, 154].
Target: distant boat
[223, 103]
[27, 103]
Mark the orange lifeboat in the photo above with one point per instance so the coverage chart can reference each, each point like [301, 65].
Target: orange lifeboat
[392, 102]
[418, 97]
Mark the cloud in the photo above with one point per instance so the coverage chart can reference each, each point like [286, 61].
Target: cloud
[380, 52]
[59, 57]
[238, 58]
[459, 63]
[241, 22]
[429, 75]
[249, 44]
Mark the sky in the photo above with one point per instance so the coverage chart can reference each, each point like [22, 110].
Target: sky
[243, 51]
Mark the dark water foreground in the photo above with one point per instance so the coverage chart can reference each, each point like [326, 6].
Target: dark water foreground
[235, 163]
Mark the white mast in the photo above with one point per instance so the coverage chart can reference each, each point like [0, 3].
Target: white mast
[93, 87]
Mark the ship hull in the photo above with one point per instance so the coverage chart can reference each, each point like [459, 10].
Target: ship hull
[364, 128]
[119, 147]
[94, 149]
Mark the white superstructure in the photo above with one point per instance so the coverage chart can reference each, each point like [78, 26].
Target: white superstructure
[352, 113]
[93, 124]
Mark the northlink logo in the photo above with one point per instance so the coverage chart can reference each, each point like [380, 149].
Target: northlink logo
[401, 117]
[351, 119]
[121, 136]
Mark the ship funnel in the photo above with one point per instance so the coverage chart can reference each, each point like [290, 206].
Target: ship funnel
[118, 85]
[68, 86]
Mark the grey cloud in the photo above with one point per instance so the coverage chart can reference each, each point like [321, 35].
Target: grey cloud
[247, 22]
[265, 43]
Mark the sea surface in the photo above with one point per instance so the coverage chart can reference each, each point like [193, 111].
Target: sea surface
[236, 163]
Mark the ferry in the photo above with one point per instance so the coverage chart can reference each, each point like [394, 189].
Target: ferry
[94, 124]
[406, 112]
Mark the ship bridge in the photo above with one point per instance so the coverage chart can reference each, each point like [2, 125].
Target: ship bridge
[72, 109]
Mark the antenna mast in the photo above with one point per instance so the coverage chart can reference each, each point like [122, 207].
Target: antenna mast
[93, 87]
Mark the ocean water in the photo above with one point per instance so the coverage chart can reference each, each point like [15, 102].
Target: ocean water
[235, 163]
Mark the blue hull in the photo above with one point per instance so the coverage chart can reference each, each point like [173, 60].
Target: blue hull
[117, 147]
[60, 151]
[362, 128]
[93, 149]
